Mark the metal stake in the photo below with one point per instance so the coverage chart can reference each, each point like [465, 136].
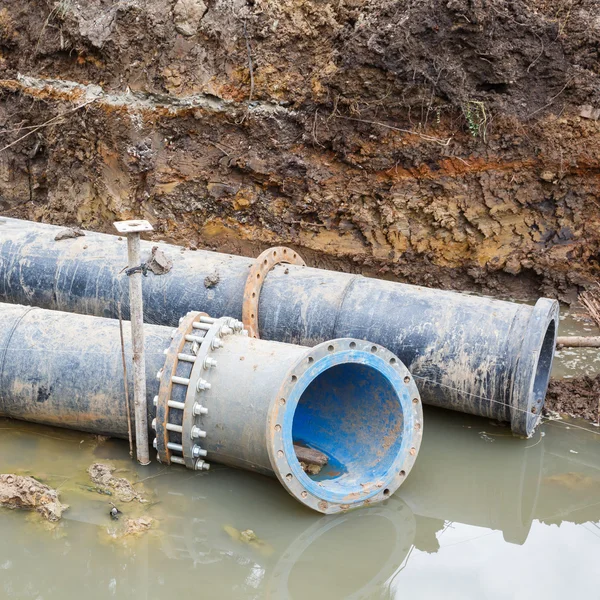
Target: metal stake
[132, 230]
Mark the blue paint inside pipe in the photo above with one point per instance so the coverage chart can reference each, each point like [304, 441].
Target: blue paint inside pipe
[355, 409]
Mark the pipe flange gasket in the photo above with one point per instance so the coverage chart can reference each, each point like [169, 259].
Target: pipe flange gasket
[181, 339]
[258, 273]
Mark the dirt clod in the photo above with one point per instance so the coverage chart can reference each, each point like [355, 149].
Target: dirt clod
[102, 476]
[68, 234]
[212, 279]
[138, 526]
[17, 491]
[158, 262]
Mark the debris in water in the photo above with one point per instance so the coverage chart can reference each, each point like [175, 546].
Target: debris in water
[68, 234]
[248, 537]
[18, 491]
[138, 526]
[114, 512]
[102, 475]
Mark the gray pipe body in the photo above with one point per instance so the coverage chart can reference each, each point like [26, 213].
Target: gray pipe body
[476, 355]
[350, 401]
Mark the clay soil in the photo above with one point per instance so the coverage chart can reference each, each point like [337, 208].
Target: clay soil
[451, 144]
[578, 397]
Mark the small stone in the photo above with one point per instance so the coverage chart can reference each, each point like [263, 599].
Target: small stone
[548, 176]
[589, 112]
[187, 15]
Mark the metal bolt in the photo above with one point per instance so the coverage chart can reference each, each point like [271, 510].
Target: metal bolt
[216, 343]
[225, 330]
[155, 444]
[199, 409]
[197, 433]
[178, 460]
[208, 320]
[197, 452]
[154, 424]
[155, 401]
[209, 362]
[203, 385]
[201, 465]
[159, 374]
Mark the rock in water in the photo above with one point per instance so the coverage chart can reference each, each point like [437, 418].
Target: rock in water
[17, 491]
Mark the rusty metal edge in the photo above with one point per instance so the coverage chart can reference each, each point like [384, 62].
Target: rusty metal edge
[256, 277]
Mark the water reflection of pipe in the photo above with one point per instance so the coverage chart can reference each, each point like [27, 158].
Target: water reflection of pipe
[462, 477]
[349, 555]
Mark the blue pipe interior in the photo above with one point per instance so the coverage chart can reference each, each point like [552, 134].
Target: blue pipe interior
[353, 413]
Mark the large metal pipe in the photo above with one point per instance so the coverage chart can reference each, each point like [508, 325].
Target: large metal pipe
[471, 354]
[225, 397]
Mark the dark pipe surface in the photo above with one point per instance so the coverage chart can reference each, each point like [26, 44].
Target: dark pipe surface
[471, 354]
[78, 385]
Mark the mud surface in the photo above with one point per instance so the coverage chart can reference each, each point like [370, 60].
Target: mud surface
[579, 397]
[121, 488]
[17, 491]
[452, 144]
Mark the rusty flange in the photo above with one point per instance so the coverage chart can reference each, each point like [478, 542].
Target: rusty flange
[261, 267]
[172, 368]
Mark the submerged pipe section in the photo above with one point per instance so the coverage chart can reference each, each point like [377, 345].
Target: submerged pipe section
[217, 395]
[471, 354]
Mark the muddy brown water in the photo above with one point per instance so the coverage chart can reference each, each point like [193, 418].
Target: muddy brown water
[482, 515]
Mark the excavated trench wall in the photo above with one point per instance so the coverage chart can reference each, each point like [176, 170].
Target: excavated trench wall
[451, 144]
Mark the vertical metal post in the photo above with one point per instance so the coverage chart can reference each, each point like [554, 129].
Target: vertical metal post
[132, 230]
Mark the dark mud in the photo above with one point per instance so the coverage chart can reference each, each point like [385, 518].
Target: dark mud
[578, 397]
[437, 143]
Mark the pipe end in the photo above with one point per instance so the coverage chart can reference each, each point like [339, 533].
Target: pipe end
[356, 403]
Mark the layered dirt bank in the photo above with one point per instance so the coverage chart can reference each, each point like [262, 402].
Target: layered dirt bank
[451, 144]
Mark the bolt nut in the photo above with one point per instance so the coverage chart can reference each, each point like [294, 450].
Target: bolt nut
[197, 432]
[199, 409]
[201, 465]
[155, 444]
[216, 343]
[203, 385]
[209, 362]
[154, 424]
[159, 374]
[225, 330]
[155, 401]
[197, 452]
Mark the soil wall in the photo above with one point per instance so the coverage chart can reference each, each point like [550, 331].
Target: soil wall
[452, 144]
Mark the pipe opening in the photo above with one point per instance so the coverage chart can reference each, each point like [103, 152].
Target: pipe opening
[543, 368]
[353, 414]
